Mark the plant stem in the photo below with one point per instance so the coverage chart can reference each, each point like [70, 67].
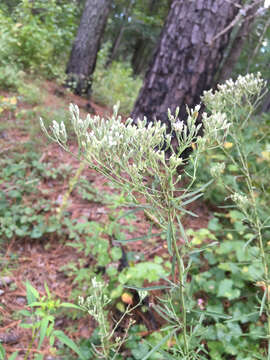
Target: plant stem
[34, 335]
[181, 280]
[263, 256]
[73, 181]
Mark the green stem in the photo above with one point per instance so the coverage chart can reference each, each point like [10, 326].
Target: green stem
[181, 280]
[73, 181]
[34, 335]
[263, 256]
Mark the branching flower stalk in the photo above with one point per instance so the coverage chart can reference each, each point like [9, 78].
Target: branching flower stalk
[238, 100]
[135, 157]
[96, 306]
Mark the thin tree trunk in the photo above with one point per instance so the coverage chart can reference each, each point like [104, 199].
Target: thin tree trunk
[138, 57]
[266, 102]
[83, 56]
[186, 58]
[119, 36]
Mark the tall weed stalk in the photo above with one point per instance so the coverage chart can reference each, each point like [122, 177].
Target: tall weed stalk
[135, 158]
[238, 100]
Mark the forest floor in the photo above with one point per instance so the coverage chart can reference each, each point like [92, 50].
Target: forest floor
[41, 261]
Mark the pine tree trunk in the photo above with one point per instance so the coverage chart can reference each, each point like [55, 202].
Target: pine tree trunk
[186, 58]
[83, 56]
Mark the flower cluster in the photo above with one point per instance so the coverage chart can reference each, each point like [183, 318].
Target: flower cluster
[241, 201]
[217, 169]
[94, 303]
[234, 93]
[216, 126]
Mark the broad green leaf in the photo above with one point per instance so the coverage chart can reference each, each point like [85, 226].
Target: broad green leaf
[225, 289]
[116, 253]
[31, 293]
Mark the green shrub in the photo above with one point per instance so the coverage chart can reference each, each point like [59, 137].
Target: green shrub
[10, 76]
[36, 35]
[115, 83]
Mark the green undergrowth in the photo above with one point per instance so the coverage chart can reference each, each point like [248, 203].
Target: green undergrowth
[36, 37]
[115, 83]
[225, 287]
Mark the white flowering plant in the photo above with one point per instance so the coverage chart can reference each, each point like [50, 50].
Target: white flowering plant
[144, 159]
[243, 154]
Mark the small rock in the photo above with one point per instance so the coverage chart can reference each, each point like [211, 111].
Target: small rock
[5, 280]
[20, 300]
[11, 338]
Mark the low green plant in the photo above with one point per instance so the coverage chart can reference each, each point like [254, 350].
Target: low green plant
[18, 217]
[115, 83]
[42, 321]
[11, 77]
[31, 93]
[7, 104]
[3, 354]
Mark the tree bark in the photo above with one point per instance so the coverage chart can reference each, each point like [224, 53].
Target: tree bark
[139, 57]
[238, 41]
[186, 58]
[83, 55]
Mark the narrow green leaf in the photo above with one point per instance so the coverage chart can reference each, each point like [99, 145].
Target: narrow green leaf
[26, 326]
[129, 212]
[35, 303]
[2, 352]
[215, 243]
[182, 230]
[69, 305]
[68, 342]
[154, 349]
[191, 199]
[169, 238]
[13, 356]
[39, 357]
[47, 290]
[238, 318]
[213, 313]
[263, 302]
[186, 211]
[148, 288]
[149, 236]
[173, 265]
[43, 328]
[196, 191]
